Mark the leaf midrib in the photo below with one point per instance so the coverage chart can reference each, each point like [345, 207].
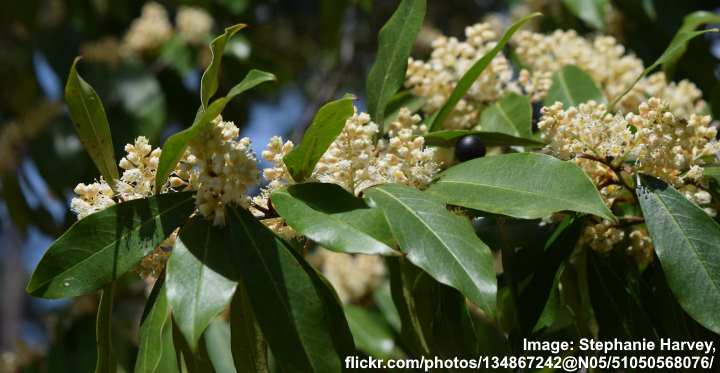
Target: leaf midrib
[101, 149]
[449, 249]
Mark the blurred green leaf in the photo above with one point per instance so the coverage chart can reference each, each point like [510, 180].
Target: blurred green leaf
[325, 127]
[473, 73]
[572, 86]
[395, 42]
[156, 352]
[249, 349]
[438, 241]
[412, 291]
[101, 247]
[209, 81]
[511, 115]
[590, 11]
[450, 137]
[371, 334]
[197, 293]
[175, 145]
[334, 218]
[521, 185]
[91, 124]
[677, 46]
[712, 172]
[290, 300]
[106, 362]
[691, 22]
[687, 242]
[217, 342]
[383, 299]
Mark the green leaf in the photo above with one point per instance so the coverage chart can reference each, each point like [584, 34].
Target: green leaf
[573, 86]
[521, 185]
[372, 335]
[687, 242]
[511, 115]
[175, 145]
[590, 11]
[247, 343]
[473, 73]
[156, 352]
[334, 218]
[101, 247]
[712, 172]
[395, 42]
[383, 300]
[325, 127]
[677, 46]
[691, 22]
[106, 362]
[438, 241]
[91, 124]
[209, 81]
[217, 342]
[197, 293]
[297, 316]
[450, 137]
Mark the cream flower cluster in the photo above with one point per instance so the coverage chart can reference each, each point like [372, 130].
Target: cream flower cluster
[149, 31]
[354, 277]
[224, 167]
[435, 79]
[602, 57]
[672, 146]
[193, 24]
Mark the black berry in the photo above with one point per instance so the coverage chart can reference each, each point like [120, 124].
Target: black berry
[469, 147]
[536, 114]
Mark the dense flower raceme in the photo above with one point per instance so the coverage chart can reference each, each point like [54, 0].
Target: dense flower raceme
[602, 58]
[612, 148]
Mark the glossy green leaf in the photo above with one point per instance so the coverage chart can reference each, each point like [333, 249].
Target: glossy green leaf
[521, 185]
[372, 335]
[334, 218]
[91, 124]
[412, 291]
[175, 145]
[677, 46]
[691, 22]
[687, 242]
[156, 353]
[473, 73]
[209, 81]
[217, 343]
[438, 241]
[325, 127]
[572, 86]
[106, 361]
[590, 11]
[296, 315]
[449, 137]
[197, 293]
[395, 42]
[511, 115]
[101, 247]
[247, 343]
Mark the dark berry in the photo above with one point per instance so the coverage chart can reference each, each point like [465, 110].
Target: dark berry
[536, 114]
[469, 147]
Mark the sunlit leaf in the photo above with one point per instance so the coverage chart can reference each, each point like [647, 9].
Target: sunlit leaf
[209, 81]
[106, 361]
[156, 353]
[91, 124]
[325, 127]
[691, 22]
[590, 11]
[521, 185]
[450, 137]
[395, 42]
[196, 292]
[438, 241]
[334, 218]
[511, 115]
